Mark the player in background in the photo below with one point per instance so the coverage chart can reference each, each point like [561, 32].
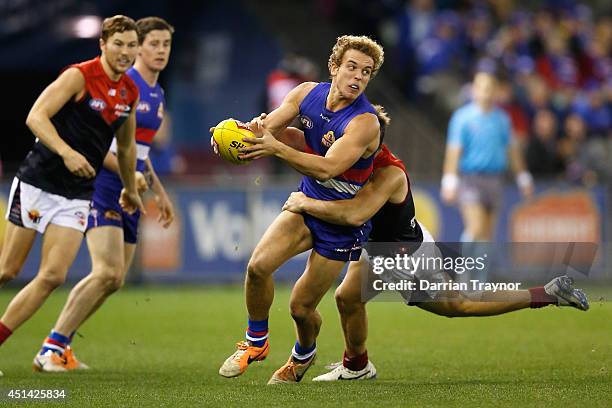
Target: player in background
[341, 136]
[111, 232]
[478, 147]
[74, 120]
[387, 200]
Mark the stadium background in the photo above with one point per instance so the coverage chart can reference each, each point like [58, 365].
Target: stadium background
[222, 59]
[226, 57]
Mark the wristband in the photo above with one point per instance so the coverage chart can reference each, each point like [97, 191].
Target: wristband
[524, 179]
[450, 181]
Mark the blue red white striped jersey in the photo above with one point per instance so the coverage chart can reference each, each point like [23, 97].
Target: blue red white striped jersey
[322, 128]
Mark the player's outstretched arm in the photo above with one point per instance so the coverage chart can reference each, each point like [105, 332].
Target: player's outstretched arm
[126, 156]
[69, 85]
[166, 209]
[360, 134]
[356, 211]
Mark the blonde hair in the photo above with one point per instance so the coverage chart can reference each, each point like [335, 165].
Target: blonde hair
[362, 44]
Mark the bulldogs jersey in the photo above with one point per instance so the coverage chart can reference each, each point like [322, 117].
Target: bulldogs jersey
[149, 116]
[322, 128]
[87, 126]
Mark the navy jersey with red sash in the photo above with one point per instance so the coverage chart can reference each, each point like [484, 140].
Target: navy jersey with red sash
[395, 222]
[87, 126]
[322, 128]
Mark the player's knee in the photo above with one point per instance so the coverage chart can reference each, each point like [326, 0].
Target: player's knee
[114, 283]
[256, 269]
[8, 272]
[51, 279]
[345, 302]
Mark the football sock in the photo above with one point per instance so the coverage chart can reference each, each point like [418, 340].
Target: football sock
[257, 332]
[302, 354]
[5, 333]
[539, 298]
[356, 363]
[55, 342]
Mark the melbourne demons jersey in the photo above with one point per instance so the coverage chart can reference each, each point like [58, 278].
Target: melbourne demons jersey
[149, 116]
[87, 126]
[322, 128]
[395, 222]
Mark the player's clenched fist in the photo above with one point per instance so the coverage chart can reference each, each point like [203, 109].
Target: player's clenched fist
[78, 164]
[295, 202]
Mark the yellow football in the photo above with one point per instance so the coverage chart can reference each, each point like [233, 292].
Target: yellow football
[228, 135]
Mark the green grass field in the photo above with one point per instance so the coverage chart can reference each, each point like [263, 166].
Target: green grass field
[163, 347]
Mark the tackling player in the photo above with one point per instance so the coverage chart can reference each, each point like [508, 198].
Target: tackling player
[111, 232]
[387, 200]
[341, 137]
[74, 120]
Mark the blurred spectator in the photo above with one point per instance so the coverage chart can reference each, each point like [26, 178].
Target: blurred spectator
[542, 156]
[292, 71]
[518, 117]
[595, 110]
[586, 161]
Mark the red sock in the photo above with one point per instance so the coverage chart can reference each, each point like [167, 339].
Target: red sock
[539, 298]
[5, 332]
[356, 363]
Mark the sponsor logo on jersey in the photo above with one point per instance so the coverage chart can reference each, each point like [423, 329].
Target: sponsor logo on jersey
[306, 121]
[123, 93]
[34, 216]
[112, 215]
[112, 92]
[325, 118]
[328, 139]
[97, 104]
[143, 106]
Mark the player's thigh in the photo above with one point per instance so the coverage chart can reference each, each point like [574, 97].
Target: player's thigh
[350, 288]
[318, 277]
[15, 248]
[105, 246]
[286, 237]
[60, 246]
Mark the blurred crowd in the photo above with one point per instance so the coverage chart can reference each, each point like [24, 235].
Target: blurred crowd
[553, 59]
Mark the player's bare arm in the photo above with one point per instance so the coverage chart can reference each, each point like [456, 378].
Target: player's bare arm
[166, 209]
[360, 139]
[450, 178]
[386, 184]
[110, 163]
[126, 157]
[70, 85]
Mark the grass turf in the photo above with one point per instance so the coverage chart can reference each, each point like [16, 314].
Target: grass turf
[163, 346]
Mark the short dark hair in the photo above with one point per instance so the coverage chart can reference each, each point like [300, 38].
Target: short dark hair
[383, 120]
[147, 24]
[117, 24]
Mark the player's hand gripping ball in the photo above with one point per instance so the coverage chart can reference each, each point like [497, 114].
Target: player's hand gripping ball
[227, 139]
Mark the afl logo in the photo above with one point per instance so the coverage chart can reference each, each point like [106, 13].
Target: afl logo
[306, 122]
[97, 104]
[328, 139]
[143, 107]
